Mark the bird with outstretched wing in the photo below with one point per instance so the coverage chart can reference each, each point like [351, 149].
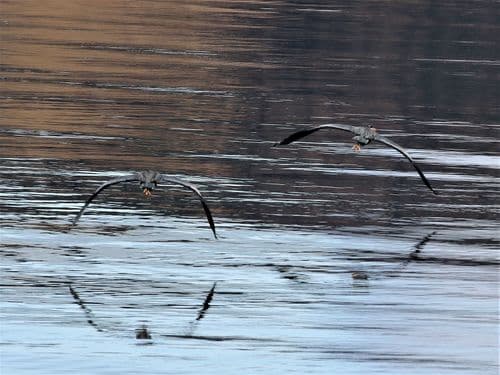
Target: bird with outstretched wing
[363, 136]
[148, 180]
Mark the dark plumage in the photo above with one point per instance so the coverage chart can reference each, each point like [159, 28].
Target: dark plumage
[363, 136]
[148, 180]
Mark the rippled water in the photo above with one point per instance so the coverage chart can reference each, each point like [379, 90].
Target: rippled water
[328, 261]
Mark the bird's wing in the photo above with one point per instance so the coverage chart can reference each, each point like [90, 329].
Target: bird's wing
[398, 148]
[134, 177]
[164, 178]
[303, 133]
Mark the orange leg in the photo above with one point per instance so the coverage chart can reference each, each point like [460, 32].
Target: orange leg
[147, 192]
[356, 147]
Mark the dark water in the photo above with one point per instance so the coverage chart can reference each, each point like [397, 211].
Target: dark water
[201, 90]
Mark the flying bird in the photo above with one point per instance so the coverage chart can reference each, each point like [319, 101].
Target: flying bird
[148, 181]
[364, 135]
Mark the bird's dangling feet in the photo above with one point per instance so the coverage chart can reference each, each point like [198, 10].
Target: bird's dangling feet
[147, 192]
[356, 147]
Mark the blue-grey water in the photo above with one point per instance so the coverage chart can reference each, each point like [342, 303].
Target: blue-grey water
[328, 261]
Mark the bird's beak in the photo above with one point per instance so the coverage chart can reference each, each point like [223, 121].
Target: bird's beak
[147, 192]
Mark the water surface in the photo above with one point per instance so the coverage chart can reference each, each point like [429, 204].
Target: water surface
[201, 90]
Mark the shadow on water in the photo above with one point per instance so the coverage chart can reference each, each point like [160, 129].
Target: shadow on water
[327, 259]
[87, 311]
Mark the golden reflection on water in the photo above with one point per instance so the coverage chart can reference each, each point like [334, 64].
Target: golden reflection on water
[123, 70]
